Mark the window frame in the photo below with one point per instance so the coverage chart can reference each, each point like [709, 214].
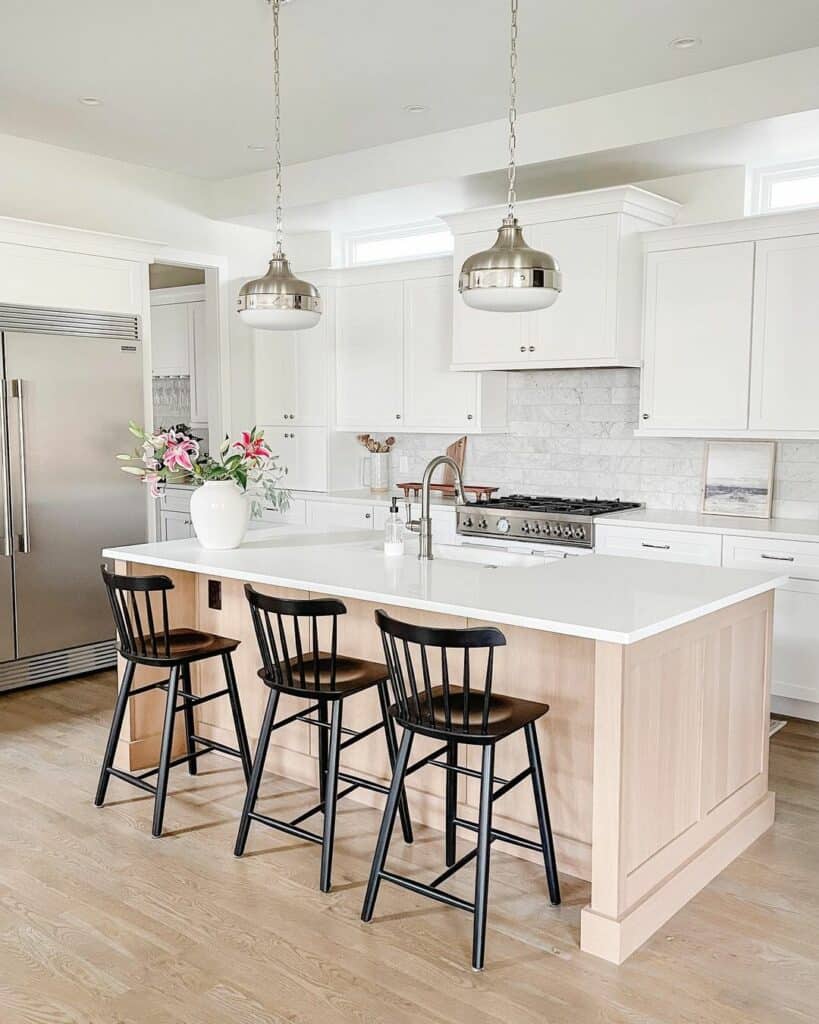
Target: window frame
[763, 179]
[355, 239]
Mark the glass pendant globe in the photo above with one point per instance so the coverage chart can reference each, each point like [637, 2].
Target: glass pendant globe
[279, 319]
[510, 300]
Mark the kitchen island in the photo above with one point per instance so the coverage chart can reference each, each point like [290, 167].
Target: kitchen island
[656, 746]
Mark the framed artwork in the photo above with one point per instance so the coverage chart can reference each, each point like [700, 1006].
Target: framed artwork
[738, 478]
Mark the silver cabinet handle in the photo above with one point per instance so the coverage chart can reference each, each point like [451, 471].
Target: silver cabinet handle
[645, 415]
[659, 547]
[531, 348]
[368, 515]
[8, 526]
[469, 415]
[25, 540]
[778, 558]
[398, 415]
[523, 348]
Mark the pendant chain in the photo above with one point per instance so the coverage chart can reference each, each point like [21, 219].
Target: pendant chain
[513, 108]
[277, 127]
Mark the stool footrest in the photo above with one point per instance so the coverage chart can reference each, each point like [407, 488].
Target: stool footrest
[427, 890]
[285, 826]
[135, 780]
[356, 780]
[501, 835]
[214, 745]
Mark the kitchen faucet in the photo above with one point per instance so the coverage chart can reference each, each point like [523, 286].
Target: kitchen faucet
[423, 526]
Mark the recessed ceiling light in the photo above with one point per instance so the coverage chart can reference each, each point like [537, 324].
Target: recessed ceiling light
[415, 108]
[257, 149]
[684, 42]
[90, 101]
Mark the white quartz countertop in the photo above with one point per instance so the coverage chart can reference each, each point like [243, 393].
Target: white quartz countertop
[660, 519]
[600, 597]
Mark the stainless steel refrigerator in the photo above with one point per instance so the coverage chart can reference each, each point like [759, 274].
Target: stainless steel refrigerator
[70, 383]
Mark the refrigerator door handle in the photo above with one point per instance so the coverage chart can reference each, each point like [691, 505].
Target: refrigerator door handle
[24, 545]
[5, 479]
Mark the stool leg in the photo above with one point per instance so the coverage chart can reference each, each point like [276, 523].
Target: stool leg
[482, 868]
[330, 791]
[165, 751]
[323, 748]
[114, 731]
[256, 774]
[387, 823]
[392, 752]
[451, 802]
[188, 712]
[238, 717]
[544, 823]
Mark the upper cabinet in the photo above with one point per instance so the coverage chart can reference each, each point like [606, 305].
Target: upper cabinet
[291, 375]
[393, 355]
[596, 320]
[179, 343]
[729, 341]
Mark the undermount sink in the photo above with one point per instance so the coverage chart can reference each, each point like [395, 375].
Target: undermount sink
[485, 556]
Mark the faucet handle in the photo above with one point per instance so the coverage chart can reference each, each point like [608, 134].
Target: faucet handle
[411, 524]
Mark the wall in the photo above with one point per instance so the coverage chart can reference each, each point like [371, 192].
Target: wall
[160, 275]
[570, 434]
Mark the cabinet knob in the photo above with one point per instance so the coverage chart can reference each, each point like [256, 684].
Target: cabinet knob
[469, 415]
[523, 348]
[531, 348]
[398, 415]
[645, 415]
[368, 515]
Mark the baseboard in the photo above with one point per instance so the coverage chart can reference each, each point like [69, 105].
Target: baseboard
[792, 708]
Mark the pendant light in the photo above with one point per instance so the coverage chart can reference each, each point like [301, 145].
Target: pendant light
[279, 301]
[510, 276]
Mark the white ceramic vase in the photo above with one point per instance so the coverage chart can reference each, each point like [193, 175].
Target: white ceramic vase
[220, 512]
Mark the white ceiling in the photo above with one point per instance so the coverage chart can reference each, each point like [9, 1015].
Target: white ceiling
[185, 83]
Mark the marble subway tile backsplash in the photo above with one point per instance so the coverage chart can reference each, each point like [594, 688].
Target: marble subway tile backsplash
[571, 434]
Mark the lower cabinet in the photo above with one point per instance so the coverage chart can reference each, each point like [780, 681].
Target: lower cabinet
[339, 514]
[795, 660]
[175, 525]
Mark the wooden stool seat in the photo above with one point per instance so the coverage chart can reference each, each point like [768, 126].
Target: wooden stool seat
[183, 645]
[159, 646]
[483, 723]
[330, 679]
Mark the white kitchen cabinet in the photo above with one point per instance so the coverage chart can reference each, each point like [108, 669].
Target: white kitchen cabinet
[291, 376]
[370, 355]
[659, 545]
[480, 337]
[340, 515]
[175, 525]
[170, 339]
[303, 452]
[697, 338]
[393, 354]
[785, 356]
[595, 238]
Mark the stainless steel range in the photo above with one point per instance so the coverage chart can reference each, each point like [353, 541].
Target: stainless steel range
[540, 520]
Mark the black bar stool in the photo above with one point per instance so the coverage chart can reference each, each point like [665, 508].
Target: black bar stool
[327, 679]
[457, 715]
[141, 643]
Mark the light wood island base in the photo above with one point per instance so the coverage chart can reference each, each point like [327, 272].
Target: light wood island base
[655, 753]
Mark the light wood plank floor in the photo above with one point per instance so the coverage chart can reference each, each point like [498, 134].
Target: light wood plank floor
[101, 924]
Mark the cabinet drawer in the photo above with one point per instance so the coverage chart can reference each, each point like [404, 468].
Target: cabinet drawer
[176, 499]
[664, 545]
[798, 558]
[295, 515]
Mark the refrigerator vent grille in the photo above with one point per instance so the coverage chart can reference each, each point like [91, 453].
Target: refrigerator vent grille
[36, 320]
[47, 668]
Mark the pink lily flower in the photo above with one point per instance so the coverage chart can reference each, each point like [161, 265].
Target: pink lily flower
[181, 455]
[252, 449]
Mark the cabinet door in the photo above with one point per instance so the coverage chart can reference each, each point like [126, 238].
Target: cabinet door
[697, 340]
[198, 363]
[303, 453]
[479, 337]
[434, 396]
[369, 356]
[581, 325]
[785, 353]
[169, 340]
[339, 515]
[176, 526]
[275, 376]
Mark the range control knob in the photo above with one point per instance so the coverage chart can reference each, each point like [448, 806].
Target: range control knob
[467, 522]
[503, 525]
[566, 531]
[524, 527]
[579, 533]
[546, 529]
[482, 524]
[536, 528]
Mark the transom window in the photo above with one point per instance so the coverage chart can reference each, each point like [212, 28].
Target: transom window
[786, 187]
[407, 243]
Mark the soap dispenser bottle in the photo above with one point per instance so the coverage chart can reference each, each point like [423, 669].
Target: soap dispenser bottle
[394, 531]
